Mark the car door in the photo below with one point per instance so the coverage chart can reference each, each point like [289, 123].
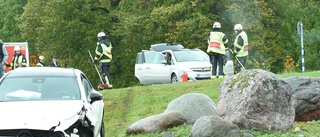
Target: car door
[94, 110]
[151, 68]
[138, 71]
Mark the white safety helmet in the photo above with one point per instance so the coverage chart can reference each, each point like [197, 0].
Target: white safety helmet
[238, 27]
[216, 25]
[16, 48]
[101, 34]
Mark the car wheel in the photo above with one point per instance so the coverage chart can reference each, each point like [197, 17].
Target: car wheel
[174, 78]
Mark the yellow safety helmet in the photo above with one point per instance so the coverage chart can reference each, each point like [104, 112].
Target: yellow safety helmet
[41, 57]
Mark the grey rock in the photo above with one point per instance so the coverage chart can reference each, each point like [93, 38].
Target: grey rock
[306, 97]
[247, 135]
[157, 123]
[193, 106]
[168, 135]
[256, 99]
[214, 126]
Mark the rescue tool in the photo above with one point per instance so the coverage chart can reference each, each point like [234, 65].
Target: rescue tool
[102, 84]
[238, 60]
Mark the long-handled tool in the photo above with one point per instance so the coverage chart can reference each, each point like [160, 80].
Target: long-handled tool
[237, 59]
[103, 85]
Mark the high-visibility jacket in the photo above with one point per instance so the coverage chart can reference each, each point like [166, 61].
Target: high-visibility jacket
[18, 59]
[216, 43]
[103, 51]
[40, 64]
[244, 49]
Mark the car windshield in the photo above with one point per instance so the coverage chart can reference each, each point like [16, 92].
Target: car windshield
[39, 88]
[190, 55]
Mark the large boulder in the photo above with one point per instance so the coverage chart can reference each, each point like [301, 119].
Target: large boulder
[306, 97]
[256, 99]
[193, 106]
[157, 123]
[214, 126]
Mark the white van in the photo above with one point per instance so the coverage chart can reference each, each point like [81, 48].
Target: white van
[165, 63]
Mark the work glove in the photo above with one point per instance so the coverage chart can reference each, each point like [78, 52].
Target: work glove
[6, 64]
[231, 46]
[94, 61]
[226, 46]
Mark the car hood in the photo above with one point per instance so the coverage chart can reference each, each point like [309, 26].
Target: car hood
[41, 115]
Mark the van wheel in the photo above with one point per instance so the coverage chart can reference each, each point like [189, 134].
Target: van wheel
[174, 78]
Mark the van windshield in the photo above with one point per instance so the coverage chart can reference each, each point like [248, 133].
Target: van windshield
[190, 55]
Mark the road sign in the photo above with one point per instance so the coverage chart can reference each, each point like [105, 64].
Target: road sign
[33, 60]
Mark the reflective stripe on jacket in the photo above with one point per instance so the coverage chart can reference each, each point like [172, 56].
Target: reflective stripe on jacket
[40, 64]
[18, 59]
[216, 43]
[244, 49]
[103, 51]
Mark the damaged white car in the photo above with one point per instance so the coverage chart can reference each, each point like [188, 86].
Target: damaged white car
[49, 102]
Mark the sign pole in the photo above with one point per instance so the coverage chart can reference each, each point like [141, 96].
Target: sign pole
[300, 33]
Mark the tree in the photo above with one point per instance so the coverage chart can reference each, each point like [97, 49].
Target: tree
[67, 29]
[9, 11]
[148, 22]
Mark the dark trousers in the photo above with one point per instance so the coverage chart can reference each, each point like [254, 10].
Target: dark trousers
[105, 73]
[216, 60]
[243, 61]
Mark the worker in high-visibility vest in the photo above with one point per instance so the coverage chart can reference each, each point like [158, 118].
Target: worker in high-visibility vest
[216, 49]
[104, 56]
[41, 62]
[241, 46]
[18, 59]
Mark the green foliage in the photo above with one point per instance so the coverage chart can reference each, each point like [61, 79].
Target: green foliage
[312, 49]
[68, 29]
[306, 74]
[9, 11]
[136, 31]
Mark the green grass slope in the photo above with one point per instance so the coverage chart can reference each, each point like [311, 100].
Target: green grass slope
[125, 106]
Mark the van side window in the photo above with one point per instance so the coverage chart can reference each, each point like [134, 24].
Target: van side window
[153, 58]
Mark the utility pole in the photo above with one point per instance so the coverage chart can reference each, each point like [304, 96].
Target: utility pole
[300, 33]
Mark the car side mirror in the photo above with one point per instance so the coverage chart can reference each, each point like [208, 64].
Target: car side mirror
[95, 96]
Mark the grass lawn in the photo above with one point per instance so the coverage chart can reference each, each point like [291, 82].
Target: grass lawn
[124, 106]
